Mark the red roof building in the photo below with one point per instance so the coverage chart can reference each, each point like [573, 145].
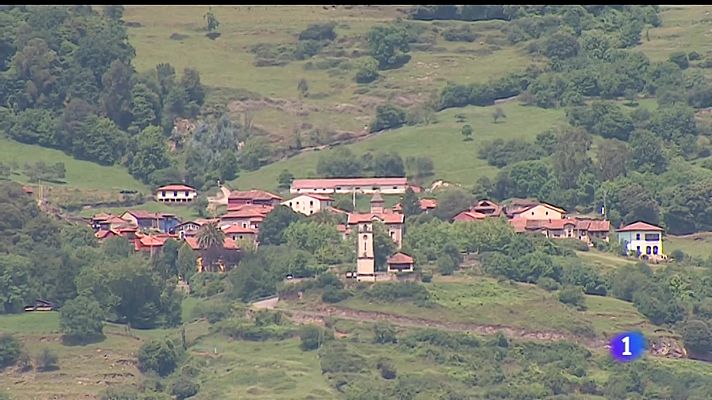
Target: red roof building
[400, 262]
[256, 197]
[349, 185]
[640, 226]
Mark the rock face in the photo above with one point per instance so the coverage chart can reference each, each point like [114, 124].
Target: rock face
[667, 347]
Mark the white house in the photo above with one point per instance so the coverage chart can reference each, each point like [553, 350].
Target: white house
[176, 194]
[350, 185]
[309, 204]
[642, 238]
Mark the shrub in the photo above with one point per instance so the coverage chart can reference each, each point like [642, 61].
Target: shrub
[46, 360]
[391, 291]
[213, 310]
[242, 330]
[312, 337]
[184, 388]
[426, 276]
[573, 296]
[307, 49]
[10, 350]
[81, 319]
[388, 116]
[384, 332]
[446, 265]
[24, 363]
[548, 284]
[693, 56]
[697, 337]
[680, 58]
[336, 357]
[386, 368]
[318, 32]
[333, 295]
[268, 317]
[329, 280]
[461, 33]
[159, 355]
[120, 393]
[678, 255]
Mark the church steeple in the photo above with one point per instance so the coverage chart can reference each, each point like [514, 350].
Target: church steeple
[377, 203]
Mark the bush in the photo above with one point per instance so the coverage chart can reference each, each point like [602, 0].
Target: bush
[46, 360]
[336, 357]
[82, 319]
[120, 393]
[678, 255]
[318, 32]
[312, 337]
[24, 363]
[10, 350]
[697, 337]
[159, 355]
[426, 276]
[573, 296]
[680, 58]
[386, 368]
[268, 317]
[446, 265]
[213, 310]
[391, 291]
[693, 56]
[242, 330]
[329, 280]
[333, 295]
[388, 116]
[548, 284]
[461, 33]
[183, 388]
[384, 332]
[307, 49]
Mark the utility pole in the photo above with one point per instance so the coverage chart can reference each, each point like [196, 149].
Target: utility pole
[605, 209]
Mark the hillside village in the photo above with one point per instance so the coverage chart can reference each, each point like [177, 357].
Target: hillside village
[246, 210]
[457, 202]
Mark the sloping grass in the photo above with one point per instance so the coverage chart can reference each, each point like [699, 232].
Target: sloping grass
[683, 29]
[79, 174]
[454, 159]
[697, 245]
[185, 212]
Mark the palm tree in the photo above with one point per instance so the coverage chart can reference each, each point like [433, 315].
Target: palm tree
[210, 238]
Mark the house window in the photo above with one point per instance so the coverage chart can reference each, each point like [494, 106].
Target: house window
[395, 187]
[338, 188]
[163, 193]
[311, 203]
[358, 188]
[637, 236]
[374, 188]
[652, 237]
[175, 193]
[655, 249]
[637, 249]
[647, 250]
[532, 212]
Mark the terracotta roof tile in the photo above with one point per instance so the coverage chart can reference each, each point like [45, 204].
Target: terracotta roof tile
[176, 187]
[400, 258]
[639, 226]
[387, 218]
[333, 183]
[235, 229]
[253, 195]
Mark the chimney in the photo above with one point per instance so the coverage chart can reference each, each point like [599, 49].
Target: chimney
[377, 204]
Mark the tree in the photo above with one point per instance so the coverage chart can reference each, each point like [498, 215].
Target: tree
[570, 158]
[388, 45]
[451, 202]
[150, 154]
[116, 93]
[384, 332]
[211, 21]
[226, 166]
[10, 350]
[285, 179]
[99, 140]
[340, 163]
[560, 46]
[410, 203]
[467, 132]
[383, 245]
[15, 288]
[46, 360]
[186, 262]
[81, 319]
[367, 71]
[388, 165]
[612, 158]
[419, 168]
[498, 114]
[158, 355]
[697, 336]
[273, 227]
[117, 247]
[34, 126]
[184, 388]
[446, 265]
[210, 237]
[303, 88]
[388, 116]
[647, 154]
[680, 58]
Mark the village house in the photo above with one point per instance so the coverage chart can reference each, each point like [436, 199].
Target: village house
[481, 210]
[400, 262]
[642, 239]
[151, 243]
[126, 231]
[309, 204]
[237, 233]
[246, 216]
[191, 228]
[426, 205]
[349, 185]
[237, 199]
[539, 211]
[175, 194]
[228, 244]
[163, 222]
[392, 221]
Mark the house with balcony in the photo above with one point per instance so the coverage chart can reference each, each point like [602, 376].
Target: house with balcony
[642, 239]
[175, 194]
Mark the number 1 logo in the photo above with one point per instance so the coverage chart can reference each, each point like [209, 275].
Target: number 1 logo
[627, 346]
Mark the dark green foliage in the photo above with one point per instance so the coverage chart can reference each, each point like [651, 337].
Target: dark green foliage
[388, 165]
[386, 369]
[680, 58]
[312, 337]
[212, 310]
[548, 284]
[451, 202]
[461, 33]
[10, 349]
[285, 179]
[573, 296]
[318, 32]
[388, 116]
[605, 119]
[647, 153]
[367, 72]
[340, 163]
[120, 393]
[81, 319]
[333, 295]
[273, 227]
[499, 153]
[586, 277]
[390, 291]
[384, 332]
[388, 45]
[184, 388]
[159, 355]
[697, 337]
[418, 168]
[150, 154]
[410, 203]
[656, 302]
[34, 126]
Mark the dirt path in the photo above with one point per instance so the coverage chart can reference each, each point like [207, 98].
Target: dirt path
[663, 347]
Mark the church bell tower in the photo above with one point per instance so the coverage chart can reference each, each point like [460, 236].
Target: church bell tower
[365, 261]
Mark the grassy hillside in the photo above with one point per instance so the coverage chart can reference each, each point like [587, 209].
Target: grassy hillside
[80, 174]
[453, 159]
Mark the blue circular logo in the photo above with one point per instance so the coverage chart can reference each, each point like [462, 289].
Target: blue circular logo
[627, 346]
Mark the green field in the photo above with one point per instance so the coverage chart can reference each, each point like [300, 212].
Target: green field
[80, 174]
[696, 245]
[182, 211]
[454, 159]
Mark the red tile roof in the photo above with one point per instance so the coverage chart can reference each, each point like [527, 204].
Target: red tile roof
[103, 234]
[466, 216]
[527, 208]
[142, 214]
[244, 213]
[400, 258]
[337, 210]
[386, 218]
[28, 189]
[253, 195]
[152, 240]
[640, 226]
[342, 228]
[427, 204]
[235, 229]
[264, 209]
[599, 226]
[487, 207]
[519, 224]
[176, 187]
[332, 183]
